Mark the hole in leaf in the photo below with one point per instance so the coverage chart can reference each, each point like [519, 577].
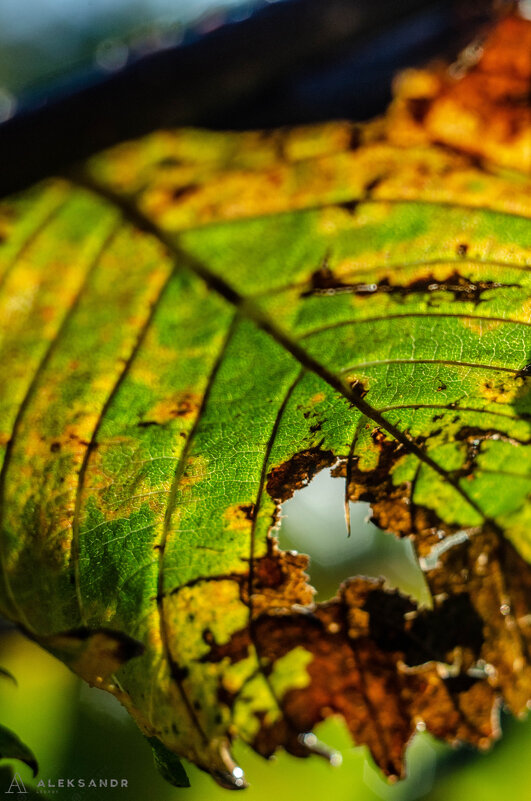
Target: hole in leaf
[313, 522]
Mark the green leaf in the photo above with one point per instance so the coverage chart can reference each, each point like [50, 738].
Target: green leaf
[168, 764]
[192, 326]
[12, 748]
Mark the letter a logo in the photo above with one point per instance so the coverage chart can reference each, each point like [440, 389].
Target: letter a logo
[17, 785]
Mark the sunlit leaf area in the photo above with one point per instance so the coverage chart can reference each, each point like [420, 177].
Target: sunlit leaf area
[264, 416]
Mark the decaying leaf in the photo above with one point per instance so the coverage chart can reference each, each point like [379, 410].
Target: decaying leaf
[193, 325]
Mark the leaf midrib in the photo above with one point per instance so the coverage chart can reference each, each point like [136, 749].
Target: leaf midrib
[248, 308]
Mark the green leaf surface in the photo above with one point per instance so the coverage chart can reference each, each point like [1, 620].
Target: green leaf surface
[191, 326]
[169, 766]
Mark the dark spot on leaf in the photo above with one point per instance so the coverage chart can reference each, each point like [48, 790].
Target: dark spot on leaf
[358, 388]
[418, 107]
[179, 673]
[182, 192]
[371, 185]
[460, 684]
[324, 282]
[170, 161]
[236, 649]
[355, 138]
[208, 637]
[247, 510]
[350, 206]
[282, 481]
[393, 505]
[462, 249]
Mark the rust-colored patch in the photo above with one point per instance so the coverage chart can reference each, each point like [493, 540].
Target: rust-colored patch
[236, 649]
[480, 108]
[280, 580]
[184, 404]
[282, 481]
[239, 516]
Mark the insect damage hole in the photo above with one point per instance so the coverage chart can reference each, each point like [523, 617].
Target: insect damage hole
[313, 522]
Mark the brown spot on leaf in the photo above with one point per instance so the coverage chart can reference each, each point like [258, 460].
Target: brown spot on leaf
[502, 389]
[418, 107]
[184, 404]
[393, 506]
[239, 516]
[236, 649]
[183, 192]
[324, 282]
[282, 481]
[280, 580]
[389, 503]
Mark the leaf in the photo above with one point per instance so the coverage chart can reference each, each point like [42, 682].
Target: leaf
[194, 324]
[95, 654]
[12, 748]
[168, 765]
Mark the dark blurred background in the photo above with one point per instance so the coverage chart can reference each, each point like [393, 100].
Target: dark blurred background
[77, 75]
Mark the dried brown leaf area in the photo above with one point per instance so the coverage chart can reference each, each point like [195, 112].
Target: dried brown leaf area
[253, 309]
[391, 668]
[482, 109]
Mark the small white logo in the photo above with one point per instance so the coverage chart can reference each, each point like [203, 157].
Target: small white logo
[17, 785]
